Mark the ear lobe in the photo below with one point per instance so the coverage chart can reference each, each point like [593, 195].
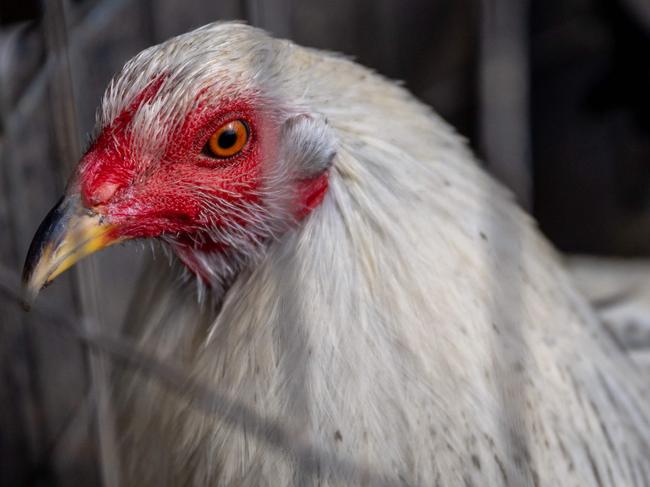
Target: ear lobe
[308, 145]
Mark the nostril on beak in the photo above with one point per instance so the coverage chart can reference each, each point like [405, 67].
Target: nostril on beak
[103, 193]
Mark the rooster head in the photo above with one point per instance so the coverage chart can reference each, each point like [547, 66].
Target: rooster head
[201, 142]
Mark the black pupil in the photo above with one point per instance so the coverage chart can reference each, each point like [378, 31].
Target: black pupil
[227, 139]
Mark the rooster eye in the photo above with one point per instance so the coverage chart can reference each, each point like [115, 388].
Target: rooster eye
[228, 140]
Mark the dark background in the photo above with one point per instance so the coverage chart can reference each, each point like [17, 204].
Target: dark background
[552, 94]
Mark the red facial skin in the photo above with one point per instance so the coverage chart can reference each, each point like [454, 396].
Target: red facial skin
[156, 198]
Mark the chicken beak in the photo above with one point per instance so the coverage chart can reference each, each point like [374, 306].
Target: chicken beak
[68, 233]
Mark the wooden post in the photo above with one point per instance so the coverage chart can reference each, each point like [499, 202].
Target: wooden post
[271, 15]
[504, 94]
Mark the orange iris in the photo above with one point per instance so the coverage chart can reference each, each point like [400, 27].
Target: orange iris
[228, 140]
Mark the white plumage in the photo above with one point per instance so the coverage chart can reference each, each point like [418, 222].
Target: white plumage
[415, 325]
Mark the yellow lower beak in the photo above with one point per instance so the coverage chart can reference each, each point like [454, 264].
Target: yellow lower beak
[68, 233]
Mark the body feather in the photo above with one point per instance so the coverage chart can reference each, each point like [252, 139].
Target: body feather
[416, 324]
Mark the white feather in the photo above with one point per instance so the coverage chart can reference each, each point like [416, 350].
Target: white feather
[416, 324]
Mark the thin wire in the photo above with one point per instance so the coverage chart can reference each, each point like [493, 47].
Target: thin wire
[505, 131]
[85, 282]
[24, 368]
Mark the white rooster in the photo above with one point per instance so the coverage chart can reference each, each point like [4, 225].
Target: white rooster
[365, 284]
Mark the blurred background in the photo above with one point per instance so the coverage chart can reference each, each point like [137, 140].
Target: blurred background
[553, 95]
